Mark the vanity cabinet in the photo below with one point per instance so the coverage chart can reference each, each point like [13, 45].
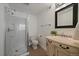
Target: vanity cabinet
[61, 52]
[50, 48]
[59, 49]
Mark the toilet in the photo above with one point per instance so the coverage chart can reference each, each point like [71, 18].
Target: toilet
[34, 42]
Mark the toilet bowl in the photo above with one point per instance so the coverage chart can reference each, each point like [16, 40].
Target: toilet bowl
[34, 42]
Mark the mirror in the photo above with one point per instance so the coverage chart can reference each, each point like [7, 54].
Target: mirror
[67, 17]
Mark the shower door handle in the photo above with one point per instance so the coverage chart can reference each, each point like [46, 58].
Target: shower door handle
[8, 30]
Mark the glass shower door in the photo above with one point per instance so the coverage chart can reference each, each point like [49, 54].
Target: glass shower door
[15, 35]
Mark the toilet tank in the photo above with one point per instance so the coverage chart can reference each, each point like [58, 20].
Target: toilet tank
[33, 38]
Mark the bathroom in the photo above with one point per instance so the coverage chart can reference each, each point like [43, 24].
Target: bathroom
[26, 27]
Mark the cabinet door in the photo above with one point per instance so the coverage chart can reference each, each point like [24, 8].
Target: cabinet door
[62, 52]
[50, 48]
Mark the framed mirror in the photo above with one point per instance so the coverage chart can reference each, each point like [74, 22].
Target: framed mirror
[67, 17]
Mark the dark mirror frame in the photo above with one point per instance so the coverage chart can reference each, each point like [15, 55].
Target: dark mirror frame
[75, 16]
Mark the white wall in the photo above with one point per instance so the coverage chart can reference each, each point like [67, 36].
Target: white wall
[48, 17]
[2, 29]
[44, 19]
[32, 25]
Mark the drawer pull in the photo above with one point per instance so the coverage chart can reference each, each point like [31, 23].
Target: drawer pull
[60, 45]
[64, 47]
[67, 47]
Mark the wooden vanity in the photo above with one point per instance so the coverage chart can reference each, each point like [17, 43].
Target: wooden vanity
[62, 46]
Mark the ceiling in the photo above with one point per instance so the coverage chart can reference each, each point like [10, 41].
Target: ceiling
[33, 8]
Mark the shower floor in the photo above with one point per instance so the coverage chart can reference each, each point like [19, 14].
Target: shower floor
[38, 52]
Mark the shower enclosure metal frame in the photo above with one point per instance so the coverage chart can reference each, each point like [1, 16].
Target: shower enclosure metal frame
[26, 38]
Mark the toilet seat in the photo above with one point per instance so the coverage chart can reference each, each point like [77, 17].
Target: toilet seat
[34, 42]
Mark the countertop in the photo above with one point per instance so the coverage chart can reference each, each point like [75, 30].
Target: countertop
[65, 40]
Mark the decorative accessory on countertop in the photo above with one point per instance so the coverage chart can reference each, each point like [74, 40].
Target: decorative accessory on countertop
[54, 33]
